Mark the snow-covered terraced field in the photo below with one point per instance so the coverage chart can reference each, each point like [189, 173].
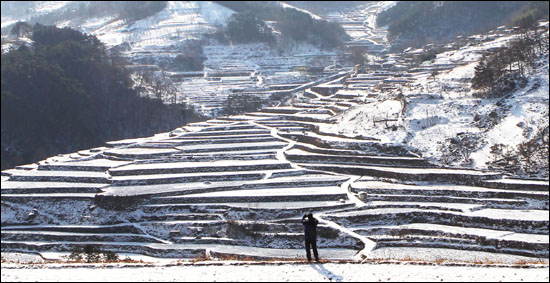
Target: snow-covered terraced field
[359, 22]
[237, 186]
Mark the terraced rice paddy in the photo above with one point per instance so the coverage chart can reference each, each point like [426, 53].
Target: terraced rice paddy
[238, 186]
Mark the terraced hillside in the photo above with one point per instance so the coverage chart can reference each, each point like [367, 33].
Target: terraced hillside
[237, 186]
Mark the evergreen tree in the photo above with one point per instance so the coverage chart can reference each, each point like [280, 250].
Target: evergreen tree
[484, 76]
[246, 27]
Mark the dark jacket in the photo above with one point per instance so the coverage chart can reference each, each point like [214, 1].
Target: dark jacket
[310, 228]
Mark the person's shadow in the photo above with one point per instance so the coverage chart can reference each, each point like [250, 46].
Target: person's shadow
[326, 273]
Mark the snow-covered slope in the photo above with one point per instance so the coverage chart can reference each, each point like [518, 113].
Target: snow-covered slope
[13, 11]
[441, 107]
[288, 6]
[180, 20]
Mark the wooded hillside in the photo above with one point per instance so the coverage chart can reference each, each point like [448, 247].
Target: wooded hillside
[66, 93]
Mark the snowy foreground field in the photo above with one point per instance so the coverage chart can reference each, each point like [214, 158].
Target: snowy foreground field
[274, 271]
[488, 268]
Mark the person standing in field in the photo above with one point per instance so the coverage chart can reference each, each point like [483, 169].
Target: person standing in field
[310, 233]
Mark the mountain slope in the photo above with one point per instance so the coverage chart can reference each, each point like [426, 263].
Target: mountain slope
[416, 23]
[436, 111]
